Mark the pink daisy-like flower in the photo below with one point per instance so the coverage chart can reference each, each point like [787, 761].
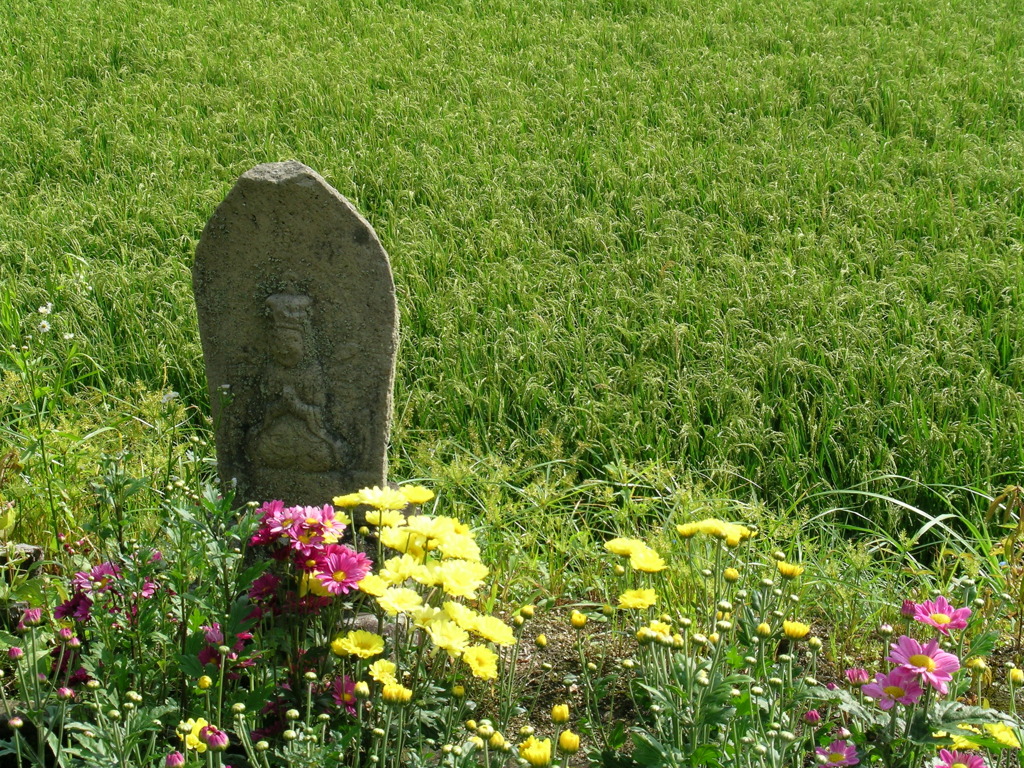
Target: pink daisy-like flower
[76, 607]
[957, 759]
[839, 752]
[344, 693]
[940, 614]
[340, 569]
[98, 579]
[900, 685]
[935, 666]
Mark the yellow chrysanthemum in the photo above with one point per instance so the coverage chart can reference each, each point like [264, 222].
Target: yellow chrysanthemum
[623, 546]
[385, 518]
[348, 500]
[1001, 732]
[403, 540]
[395, 693]
[462, 615]
[788, 570]
[397, 600]
[460, 546]
[312, 585]
[359, 643]
[494, 629]
[462, 578]
[372, 584]
[383, 671]
[448, 636]
[383, 498]
[398, 569]
[638, 598]
[733, 533]
[482, 661]
[191, 737]
[416, 494]
[647, 560]
[536, 752]
[795, 630]
[425, 614]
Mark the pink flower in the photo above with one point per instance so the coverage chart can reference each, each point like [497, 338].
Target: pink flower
[32, 617]
[213, 633]
[344, 693]
[900, 685]
[812, 717]
[213, 737]
[907, 608]
[265, 586]
[959, 760]
[77, 607]
[174, 760]
[839, 752]
[340, 569]
[14, 653]
[936, 667]
[857, 676]
[98, 579]
[65, 694]
[940, 614]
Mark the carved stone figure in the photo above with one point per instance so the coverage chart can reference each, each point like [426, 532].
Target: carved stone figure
[298, 321]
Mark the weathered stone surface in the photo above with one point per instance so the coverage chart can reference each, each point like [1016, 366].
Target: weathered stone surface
[299, 328]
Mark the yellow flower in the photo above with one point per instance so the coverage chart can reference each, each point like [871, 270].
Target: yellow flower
[204, 682]
[541, 640]
[482, 661]
[462, 578]
[536, 752]
[398, 569]
[397, 600]
[789, 570]
[763, 629]
[358, 642]
[403, 540]
[348, 500]
[462, 615]
[312, 585]
[383, 498]
[494, 629]
[638, 598]
[578, 620]
[416, 494]
[568, 742]
[660, 627]
[731, 575]
[560, 714]
[385, 518]
[1001, 732]
[189, 730]
[383, 671]
[733, 533]
[1017, 676]
[624, 547]
[795, 630]
[448, 636]
[646, 560]
[396, 693]
[372, 584]
[497, 741]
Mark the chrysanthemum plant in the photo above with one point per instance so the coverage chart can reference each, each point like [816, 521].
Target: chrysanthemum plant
[728, 678]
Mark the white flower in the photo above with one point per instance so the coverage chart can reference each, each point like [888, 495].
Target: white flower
[68, 336]
[46, 308]
[44, 327]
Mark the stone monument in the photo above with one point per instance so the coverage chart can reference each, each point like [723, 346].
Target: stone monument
[299, 327]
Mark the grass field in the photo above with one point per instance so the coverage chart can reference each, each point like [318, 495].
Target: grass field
[773, 247]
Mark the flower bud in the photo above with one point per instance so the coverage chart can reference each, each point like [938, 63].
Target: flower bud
[560, 713]
[568, 742]
[204, 682]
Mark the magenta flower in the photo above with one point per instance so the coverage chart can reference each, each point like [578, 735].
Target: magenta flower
[936, 667]
[857, 676]
[940, 614]
[812, 717]
[98, 579]
[174, 760]
[213, 633]
[907, 608]
[839, 752]
[959, 760]
[32, 617]
[65, 694]
[213, 737]
[340, 569]
[77, 607]
[344, 693]
[900, 685]
[14, 653]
